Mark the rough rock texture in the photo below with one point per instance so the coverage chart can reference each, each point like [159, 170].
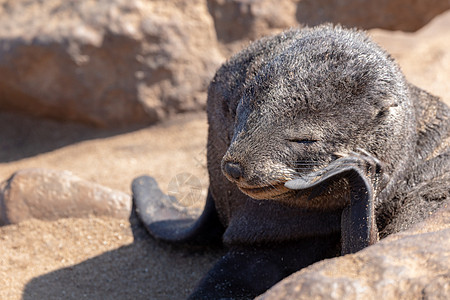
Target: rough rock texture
[107, 63]
[414, 264]
[50, 195]
[116, 63]
[247, 19]
[238, 19]
[424, 55]
[388, 14]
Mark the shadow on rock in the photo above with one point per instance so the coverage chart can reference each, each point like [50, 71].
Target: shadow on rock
[24, 136]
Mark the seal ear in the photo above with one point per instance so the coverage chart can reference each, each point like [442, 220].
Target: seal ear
[166, 222]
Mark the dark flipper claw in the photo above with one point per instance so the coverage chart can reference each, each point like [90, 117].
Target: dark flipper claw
[166, 222]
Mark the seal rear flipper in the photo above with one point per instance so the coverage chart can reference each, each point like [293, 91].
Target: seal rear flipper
[166, 222]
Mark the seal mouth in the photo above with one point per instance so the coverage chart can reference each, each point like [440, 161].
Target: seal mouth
[271, 191]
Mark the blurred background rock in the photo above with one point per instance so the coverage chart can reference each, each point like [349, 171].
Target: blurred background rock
[120, 63]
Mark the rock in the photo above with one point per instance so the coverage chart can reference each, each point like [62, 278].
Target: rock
[49, 195]
[107, 63]
[238, 19]
[387, 14]
[413, 264]
[247, 19]
[424, 56]
[119, 63]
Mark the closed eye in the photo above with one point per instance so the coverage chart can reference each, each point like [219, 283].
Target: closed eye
[303, 141]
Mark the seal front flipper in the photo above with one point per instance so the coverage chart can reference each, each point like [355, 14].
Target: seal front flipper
[358, 223]
[358, 227]
[166, 222]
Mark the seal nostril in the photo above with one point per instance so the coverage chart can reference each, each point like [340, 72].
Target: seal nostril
[234, 170]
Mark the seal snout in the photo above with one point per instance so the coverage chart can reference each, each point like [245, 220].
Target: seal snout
[233, 170]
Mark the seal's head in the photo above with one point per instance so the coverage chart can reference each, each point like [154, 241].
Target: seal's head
[329, 91]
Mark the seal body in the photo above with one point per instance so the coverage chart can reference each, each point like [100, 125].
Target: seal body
[288, 105]
[303, 126]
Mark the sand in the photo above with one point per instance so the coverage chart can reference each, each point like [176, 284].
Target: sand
[100, 258]
[105, 258]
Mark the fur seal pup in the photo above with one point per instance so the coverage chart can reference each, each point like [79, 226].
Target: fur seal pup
[317, 146]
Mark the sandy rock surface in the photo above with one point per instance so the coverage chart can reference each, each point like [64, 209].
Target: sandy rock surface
[413, 264]
[107, 258]
[106, 63]
[242, 19]
[100, 258]
[46, 194]
[424, 56]
[134, 62]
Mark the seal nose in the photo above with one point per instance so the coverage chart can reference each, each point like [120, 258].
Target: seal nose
[234, 170]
